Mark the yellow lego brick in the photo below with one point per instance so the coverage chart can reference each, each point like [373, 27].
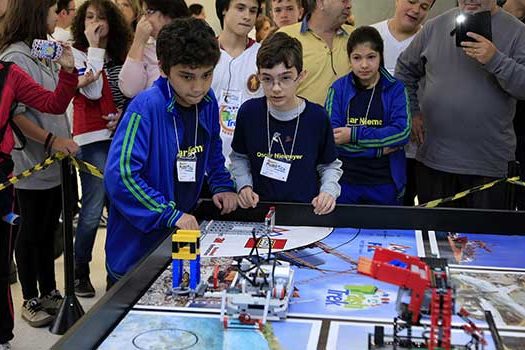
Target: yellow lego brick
[184, 256]
[190, 236]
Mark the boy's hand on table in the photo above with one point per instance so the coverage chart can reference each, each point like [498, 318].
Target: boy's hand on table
[226, 201]
[323, 204]
[187, 222]
[248, 198]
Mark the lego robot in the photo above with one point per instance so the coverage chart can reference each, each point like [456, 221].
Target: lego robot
[186, 246]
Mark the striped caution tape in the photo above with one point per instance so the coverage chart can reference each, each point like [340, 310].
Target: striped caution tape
[79, 164]
[93, 170]
[435, 203]
[516, 182]
[87, 168]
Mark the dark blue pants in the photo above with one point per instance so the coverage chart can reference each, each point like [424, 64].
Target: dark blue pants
[369, 194]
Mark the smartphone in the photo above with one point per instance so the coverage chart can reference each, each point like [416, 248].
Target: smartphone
[47, 49]
[479, 23]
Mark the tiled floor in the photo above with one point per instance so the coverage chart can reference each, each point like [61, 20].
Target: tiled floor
[28, 338]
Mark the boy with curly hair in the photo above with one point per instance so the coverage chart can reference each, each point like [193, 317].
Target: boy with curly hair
[168, 139]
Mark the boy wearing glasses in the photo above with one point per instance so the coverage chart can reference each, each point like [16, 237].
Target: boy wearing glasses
[283, 146]
[167, 140]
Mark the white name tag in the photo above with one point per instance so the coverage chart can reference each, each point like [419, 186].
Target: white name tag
[229, 104]
[275, 169]
[186, 170]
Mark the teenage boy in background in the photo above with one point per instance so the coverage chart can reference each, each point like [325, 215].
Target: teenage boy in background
[168, 139]
[283, 146]
[397, 33]
[235, 76]
[286, 12]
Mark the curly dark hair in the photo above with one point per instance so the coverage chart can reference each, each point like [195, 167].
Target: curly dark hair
[24, 20]
[196, 9]
[119, 34]
[280, 48]
[171, 8]
[187, 41]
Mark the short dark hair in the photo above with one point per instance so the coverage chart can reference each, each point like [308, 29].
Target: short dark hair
[195, 9]
[63, 5]
[221, 5]
[280, 48]
[187, 41]
[366, 35]
[171, 8]
[298, 2]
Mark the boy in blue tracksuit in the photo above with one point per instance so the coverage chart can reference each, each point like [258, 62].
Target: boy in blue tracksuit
[166, 142]
[369, 112]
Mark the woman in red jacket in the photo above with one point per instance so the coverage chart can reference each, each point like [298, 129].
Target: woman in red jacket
[19, 86]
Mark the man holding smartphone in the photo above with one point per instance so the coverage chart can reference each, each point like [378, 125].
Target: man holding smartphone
[463, 119]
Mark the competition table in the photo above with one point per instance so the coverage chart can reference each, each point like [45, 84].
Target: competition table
[492, 262]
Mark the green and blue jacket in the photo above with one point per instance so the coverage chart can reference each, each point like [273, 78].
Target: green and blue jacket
[146, 200]
[366, 141]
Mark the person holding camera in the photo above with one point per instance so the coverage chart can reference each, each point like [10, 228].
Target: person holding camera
[463, 118]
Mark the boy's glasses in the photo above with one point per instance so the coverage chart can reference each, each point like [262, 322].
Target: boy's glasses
[269, 82]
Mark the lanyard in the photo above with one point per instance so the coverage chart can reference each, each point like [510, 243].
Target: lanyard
[175, 124]
[367, 108]
[277, 136]
[370, 103]
[196, 128]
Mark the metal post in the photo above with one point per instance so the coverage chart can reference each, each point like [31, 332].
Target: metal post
[70, 310]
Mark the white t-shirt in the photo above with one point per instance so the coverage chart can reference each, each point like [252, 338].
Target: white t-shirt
[393, 47]
[234, 81]
[392, 50]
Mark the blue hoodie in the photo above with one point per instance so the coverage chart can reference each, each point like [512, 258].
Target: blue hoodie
[368, 142]
[140, 173]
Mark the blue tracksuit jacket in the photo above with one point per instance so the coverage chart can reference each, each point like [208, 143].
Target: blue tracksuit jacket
[140, 180]
[368, 142]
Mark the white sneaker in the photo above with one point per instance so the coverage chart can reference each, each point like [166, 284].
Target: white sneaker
[33, 313]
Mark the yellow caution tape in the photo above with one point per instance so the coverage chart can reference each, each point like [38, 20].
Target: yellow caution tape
[87, 168]
[435, 203]
[81, 165]
[93, 170]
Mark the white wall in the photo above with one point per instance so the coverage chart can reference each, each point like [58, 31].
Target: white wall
[372, 11]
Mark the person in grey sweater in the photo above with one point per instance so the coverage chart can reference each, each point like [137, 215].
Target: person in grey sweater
[463, 121]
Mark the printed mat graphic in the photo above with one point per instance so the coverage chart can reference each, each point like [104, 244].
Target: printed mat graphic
[232, 238]
[326, 280]
[354, 336]
[168, 330]
[479, 250]
[501, 292]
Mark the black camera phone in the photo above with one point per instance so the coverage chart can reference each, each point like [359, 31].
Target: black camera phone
[479, 23]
